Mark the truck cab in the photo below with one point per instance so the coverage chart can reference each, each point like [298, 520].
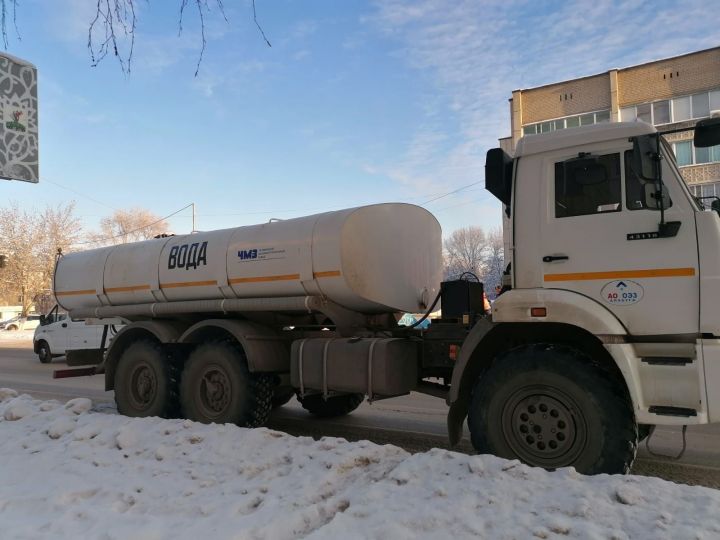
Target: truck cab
[611, 290]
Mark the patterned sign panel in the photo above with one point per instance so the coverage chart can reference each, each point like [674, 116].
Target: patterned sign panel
[18, 120]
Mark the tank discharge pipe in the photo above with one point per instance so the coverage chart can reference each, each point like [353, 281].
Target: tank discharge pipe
[226, 305]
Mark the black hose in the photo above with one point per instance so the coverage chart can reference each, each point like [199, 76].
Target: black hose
[428, 312]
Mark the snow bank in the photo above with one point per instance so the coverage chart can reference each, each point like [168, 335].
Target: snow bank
[69, 472]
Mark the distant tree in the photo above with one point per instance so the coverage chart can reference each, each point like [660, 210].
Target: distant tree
[494, 259]
[30, 241]
[464, 252]
[112, 28]
[471, 250]
[125, 226]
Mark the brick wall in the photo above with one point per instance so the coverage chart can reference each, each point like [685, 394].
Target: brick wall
[566, 99]
[698, 174]
[664, 79]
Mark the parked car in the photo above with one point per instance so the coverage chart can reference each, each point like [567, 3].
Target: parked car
[4, 323]
[58, 334]
[23, 323]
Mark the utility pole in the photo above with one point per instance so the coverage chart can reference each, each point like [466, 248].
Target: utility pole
[193, 217]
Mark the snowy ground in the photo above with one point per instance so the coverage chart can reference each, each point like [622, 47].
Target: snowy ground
[16, 335]
[69, 472]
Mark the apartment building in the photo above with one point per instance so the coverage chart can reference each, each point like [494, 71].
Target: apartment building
[671, 94]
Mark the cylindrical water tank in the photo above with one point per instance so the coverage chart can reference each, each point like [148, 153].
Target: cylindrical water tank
[371, 259]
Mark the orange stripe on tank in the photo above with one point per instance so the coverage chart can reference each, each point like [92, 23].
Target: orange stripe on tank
[188, 284]
[131, 288]
[74, 293]
[329, 273]
[265, 279]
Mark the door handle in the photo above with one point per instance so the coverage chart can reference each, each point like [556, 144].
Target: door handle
[551, 258]
[64, 325]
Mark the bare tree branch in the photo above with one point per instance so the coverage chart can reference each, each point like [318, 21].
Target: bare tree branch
[111, 17]
[114, 24]
[3, 19]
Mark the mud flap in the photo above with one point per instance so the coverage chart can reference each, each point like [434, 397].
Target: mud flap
[455, 419]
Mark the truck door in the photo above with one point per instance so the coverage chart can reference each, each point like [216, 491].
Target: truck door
[83, 336]
[597, 240]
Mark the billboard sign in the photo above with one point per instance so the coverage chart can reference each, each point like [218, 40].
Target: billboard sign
[18, 120]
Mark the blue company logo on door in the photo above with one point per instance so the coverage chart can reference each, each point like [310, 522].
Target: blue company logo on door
[622, 292]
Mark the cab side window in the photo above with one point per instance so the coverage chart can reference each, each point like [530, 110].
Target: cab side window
[587, 185]
[635, 190]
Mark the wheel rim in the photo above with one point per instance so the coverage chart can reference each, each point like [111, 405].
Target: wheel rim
[44, 353]
[143, 386]
[544, 426]
[215, 391]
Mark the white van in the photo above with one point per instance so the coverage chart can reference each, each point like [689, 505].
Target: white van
[58, 333]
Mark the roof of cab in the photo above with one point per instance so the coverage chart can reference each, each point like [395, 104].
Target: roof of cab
[567, 138]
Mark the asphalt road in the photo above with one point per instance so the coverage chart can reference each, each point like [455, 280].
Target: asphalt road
[415, 422]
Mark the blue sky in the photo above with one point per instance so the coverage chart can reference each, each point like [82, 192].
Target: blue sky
[354, 103]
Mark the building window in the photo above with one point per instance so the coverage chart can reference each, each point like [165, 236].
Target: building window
[661, 112]
[644, 113]
[582, 189]
[687, 154]
[682, 109]
[701, 105]
[706, 190]
[683, 153]
[568, 122]
[677, 109]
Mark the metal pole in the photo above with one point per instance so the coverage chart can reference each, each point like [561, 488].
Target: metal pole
[193, 217]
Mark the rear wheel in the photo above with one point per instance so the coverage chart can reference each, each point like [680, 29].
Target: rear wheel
[332, 406]
[217, 387]
[146, 381]
[44, 353]
[549, 406]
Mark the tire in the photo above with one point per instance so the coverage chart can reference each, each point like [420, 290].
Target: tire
[281, 395]
[550, 407]
[44, 353]
[12, 328]
[333, 406]
[146, 382]
[217, 387]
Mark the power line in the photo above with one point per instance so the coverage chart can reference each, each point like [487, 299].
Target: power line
[79, 193]
[450, 193]
[100, 240]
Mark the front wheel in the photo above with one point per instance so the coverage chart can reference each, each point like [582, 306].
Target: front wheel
[550, 407]
[44, 353]
[146, 381]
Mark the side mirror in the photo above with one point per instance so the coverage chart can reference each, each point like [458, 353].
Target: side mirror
[652, 197]
[644, 157]
[707, 133]
[498, 174]
[715, 205]
[43, 320]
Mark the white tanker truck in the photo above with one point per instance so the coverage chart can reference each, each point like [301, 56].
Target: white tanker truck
[608, 322]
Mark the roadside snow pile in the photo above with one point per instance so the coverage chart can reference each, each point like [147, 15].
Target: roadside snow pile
[68, 472]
